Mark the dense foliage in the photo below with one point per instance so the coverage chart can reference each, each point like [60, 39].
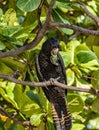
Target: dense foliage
[22, 106]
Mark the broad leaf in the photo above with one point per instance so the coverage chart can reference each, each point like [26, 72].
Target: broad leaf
[35, 97]
[36, 118]
[28, 5]
[77, 126]
[70, 76]
[85, 56]
[96, 50]
[25, 104]
[2, 46]
[8, 98]
[95, 79]
[95, 105]
[12, 64]
[67, 57]
[57, 17]
[76, 104]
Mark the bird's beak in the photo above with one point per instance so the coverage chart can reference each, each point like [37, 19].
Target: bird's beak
[54, 51]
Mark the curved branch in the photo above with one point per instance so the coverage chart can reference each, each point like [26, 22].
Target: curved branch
[26, 124]
[95, 18]
[75, 28]
[48, 25]
[48, 83]
[38, 38]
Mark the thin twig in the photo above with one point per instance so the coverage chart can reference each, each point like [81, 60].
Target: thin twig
[75, 28]
[26, 124]
[95, 18]
[48, 83]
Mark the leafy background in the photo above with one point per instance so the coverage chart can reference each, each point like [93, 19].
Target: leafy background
[80, 54]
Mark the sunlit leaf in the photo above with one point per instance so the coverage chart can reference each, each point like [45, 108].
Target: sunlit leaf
[29, 5]
[9, 89]
[96, 50]
[95, 79]
[4, 69]
[81, 47]
[35, 97]
[13, 64]
[2, 46]
[25, 104]
[90, 66]
[66, 57]
[9, 31]
[76, 104]
[10, 17]
[77, 126]
[70, 76]
[95, 105]
[36, 118]
[85, 56]
[8, 98]
[57, 17]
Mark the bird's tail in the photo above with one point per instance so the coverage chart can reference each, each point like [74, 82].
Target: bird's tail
[61, 117]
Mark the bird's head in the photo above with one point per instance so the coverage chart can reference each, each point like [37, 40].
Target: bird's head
[51, 46]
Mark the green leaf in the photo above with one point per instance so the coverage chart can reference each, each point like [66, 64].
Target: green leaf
[67, 57]
[13, 64]
[1, 12]
[8, 98]
[10, 18]
[19, 127]
[35, 97]
[50, 126]
[90, 66]
[70, 76]
[2, 46]
[4, 69]
[25, 104]
[10, 31]
[81, 47]
[95, 105]
[28, 5]
[96, 50]
[95, 79]
[76, 104]
[9, 89]
[77, 126]
[57, 17]
[36, 119]
[85, 56]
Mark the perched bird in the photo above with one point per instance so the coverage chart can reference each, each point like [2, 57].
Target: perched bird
[49, 64]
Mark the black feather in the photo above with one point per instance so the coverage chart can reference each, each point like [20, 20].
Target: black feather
[47, 70]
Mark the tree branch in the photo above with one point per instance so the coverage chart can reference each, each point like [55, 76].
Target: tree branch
[95, 18]
[48, 83]
[75, 28]
[26, 124]
[37, 39]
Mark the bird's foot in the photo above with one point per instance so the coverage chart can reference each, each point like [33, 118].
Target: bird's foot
[52, 80]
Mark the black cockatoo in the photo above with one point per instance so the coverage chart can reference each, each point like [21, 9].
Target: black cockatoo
[49, 64]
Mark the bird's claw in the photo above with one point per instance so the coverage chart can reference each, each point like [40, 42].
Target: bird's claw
[52, 81]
